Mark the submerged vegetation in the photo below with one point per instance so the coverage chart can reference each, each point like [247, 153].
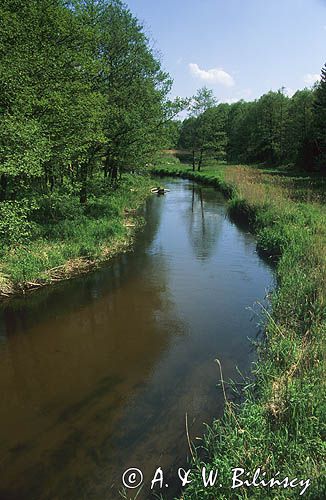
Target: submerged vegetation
[280, 424]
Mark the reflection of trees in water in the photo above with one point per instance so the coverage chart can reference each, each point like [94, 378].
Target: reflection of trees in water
[79, 355]
[204, 224]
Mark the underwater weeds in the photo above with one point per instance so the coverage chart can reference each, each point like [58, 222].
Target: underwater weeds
[280, 425]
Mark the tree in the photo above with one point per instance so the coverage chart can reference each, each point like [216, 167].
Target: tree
[203, 100]
[79, 84]
[171, 133]
[133, 83]
[51, 113]
[211, 136]
[188, 137]
[299, 132]
[319, 121]
[273, 129]
[194, 131]
[237, 135]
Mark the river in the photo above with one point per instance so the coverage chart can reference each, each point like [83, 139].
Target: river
[98, 373]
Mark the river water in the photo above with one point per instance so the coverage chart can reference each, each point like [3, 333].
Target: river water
[98, 374]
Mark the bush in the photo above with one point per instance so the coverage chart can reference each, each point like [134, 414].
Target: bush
[56, 206]
[15, 224]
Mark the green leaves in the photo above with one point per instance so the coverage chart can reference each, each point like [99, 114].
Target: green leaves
[319, 120]
[206, 133]
[23, 147]
[203, 100]
[15, 226]
[273, 129]
[79, 84]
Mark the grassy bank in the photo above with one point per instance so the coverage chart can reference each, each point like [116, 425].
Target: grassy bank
[57, 237]
[280, 426]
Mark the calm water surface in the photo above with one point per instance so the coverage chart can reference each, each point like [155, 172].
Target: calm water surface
[97, 374]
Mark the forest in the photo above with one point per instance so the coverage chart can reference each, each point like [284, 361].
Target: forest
[273, 130]
[83, 99]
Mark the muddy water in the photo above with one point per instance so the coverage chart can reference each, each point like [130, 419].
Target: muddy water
[97, 374]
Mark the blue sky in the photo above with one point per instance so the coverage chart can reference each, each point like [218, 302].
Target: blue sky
[238, 48]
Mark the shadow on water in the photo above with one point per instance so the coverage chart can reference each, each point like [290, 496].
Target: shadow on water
[97, 374]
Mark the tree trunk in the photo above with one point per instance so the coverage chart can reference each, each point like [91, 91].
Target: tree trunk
[105, 168]
[114, 173]
[200, 160]
[3, 187]
[193, 160]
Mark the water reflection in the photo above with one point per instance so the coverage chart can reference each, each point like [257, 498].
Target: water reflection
[204, 223]
[96, 375]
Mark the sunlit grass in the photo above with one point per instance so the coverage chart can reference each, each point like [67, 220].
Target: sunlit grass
[71, 245]
[280, 426]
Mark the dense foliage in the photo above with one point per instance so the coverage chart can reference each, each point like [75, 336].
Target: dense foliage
[274, 129]
[82, 99]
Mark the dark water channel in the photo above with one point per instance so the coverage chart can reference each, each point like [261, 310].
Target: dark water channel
[97, 374]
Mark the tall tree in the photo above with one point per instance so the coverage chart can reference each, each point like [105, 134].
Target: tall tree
[201, 101]
[134, 85]
[319, 119]
[299, 132]
[211, 133]
[194, 129]
[188, 137]
[50, 111]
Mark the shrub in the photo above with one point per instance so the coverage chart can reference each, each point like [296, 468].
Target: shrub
[15, 224]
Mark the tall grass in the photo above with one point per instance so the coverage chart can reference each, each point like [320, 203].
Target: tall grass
[71, 238]
[280, 425]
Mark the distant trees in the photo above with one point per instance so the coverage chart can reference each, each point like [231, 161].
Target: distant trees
[211, 133]
[299, 137]
[203, 100]
[274, 129]
[319, 120]
[172, 133]
[203, 131]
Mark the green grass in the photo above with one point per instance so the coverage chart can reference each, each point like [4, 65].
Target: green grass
[73, 238]
[280, 425]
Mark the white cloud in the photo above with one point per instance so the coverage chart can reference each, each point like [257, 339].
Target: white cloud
[214, 75]
[311, 78]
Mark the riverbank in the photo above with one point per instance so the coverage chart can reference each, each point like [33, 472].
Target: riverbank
[280, 424]
[69, 239]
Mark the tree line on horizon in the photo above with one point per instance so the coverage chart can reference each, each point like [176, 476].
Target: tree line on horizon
[84, 98]
[274, 129]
